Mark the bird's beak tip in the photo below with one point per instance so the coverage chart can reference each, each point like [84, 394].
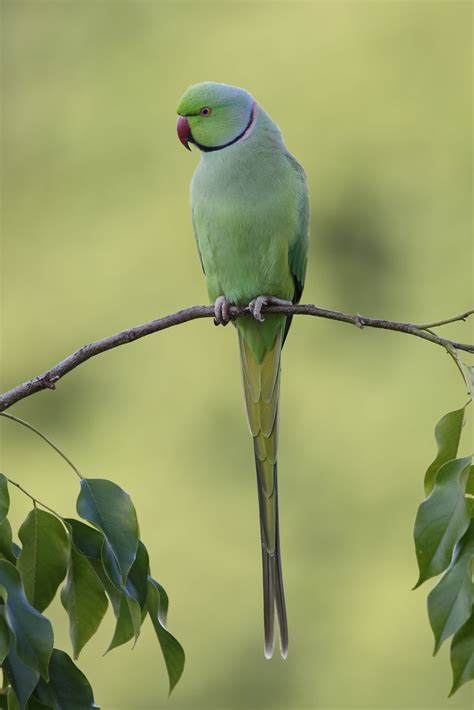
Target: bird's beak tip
[184, 131]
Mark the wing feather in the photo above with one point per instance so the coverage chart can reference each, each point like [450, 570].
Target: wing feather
[298, 246]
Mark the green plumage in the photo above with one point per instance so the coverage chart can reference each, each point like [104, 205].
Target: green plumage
[251, 220]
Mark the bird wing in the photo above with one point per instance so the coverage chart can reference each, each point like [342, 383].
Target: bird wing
[299, 242]
[298, 246]
[197, 240]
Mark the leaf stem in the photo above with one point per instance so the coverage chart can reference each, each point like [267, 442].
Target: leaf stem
[35, 500]
[45, 438]
[460, 365]
[463, 316]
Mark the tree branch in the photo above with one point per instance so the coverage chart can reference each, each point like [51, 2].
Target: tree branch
[48, 379]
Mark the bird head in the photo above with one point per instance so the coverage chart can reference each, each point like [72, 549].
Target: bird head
[214, 116]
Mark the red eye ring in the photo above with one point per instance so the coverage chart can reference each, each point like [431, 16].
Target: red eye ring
[205, 111]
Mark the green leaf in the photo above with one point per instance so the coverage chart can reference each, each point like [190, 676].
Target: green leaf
[447, 434]
[129, 617]
[110, 565]
[87, 540]
[164, 603]
[4, 498]
[68, 687]
[134, 598]
[13, 703]
[109, 508]
[127, 600]
[172, 650]
[21, 677]
[34, 704]
[137, 580]
[470, 492]
[90, 542]
[43, 559]
[33, 632]
[4, 638]
[6, 542]
[128, 622]
[84, 599]
[462, 655]
[450, 602]
[442, 519]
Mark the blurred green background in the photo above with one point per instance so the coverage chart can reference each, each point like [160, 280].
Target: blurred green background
[374, 98]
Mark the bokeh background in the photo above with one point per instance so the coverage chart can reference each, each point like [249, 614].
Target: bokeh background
[374, 98]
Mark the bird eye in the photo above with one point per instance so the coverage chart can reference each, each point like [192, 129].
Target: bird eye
[205, 111]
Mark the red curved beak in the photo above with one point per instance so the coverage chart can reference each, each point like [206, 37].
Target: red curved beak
[184, 131]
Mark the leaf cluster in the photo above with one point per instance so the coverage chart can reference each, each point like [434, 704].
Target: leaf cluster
[444, 544]
[98, 562]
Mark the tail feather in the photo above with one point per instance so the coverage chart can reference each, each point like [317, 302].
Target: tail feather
[262, 386]
[279, 590]
[268, 585]
[273, 591]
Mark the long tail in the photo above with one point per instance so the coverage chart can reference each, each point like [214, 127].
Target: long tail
[262, 389]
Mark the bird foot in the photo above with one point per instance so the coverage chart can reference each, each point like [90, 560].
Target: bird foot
[256, 305]
[221, 311]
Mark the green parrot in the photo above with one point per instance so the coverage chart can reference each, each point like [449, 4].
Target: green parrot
[250, 210]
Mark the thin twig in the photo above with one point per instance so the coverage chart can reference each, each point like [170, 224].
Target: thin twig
[35, 500]
[436, 324]
[48, 379]
[45, 438]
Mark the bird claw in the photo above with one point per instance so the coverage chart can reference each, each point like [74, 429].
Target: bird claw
[256, 305]
[221, 311]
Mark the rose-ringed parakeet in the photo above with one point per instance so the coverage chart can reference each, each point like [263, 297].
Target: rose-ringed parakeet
[250, 213]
